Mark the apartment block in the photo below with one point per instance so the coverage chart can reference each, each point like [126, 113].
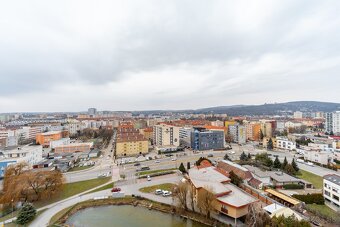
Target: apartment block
[238, 133]
[166, 135]
[331, 191]
[203, 139]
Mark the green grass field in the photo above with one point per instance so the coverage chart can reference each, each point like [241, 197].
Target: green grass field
[148, 172]
[325, 211]
[152, 189]
[72, 189]
[312, 178]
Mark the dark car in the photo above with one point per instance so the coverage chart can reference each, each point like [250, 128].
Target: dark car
[115, 190]
[137, 164]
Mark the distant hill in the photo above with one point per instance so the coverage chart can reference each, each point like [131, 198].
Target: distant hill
[272, 109]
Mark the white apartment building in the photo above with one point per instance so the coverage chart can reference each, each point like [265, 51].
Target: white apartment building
[285, 144]
[298, 114]
[217, 123]
[333, 122]
[322, 157]
[29, 154]
[331, 191]
[166, 135]
[238, 133]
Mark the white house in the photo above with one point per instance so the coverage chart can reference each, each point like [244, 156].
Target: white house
[285, 144]
[331, 191]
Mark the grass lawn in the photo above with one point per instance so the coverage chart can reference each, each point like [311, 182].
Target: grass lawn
[314, 179]
[72, 189]
[152, 189]
[79, 168]
[105, 187]
[148, 172]
[324, 211]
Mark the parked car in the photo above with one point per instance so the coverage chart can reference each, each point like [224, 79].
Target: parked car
[157, 161]
[149, 178]
[115, 190]
[210, 155]
[159, 192]
[168, 155]
[137, 164]
[101, 175]
[166, 193]
[173, 159]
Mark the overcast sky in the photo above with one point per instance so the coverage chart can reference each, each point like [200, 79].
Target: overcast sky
[137, 55]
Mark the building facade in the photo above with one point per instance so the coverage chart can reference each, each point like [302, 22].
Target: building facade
[202, 139]
[331, 191]
[165, 135]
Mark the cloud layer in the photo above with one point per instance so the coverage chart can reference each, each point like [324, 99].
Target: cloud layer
[133, 55]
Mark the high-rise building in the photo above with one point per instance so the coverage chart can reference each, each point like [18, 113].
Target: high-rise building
[238, 133]
[166, 135]
[298, 114]
[332, 124]
[92, 111]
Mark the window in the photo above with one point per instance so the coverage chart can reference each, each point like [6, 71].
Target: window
[336, 197]
[327, 193]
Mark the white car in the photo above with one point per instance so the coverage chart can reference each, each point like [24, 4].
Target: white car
[159, 192]
[149, 178]
[232, 152]
[173, 159]
[157, 161]
[166, 193]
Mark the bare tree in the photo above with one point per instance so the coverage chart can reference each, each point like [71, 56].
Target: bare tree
[191, 197]
[206, 198]
[257, 218]
[181, 194]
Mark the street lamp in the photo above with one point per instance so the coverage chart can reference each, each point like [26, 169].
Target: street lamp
[12, 207]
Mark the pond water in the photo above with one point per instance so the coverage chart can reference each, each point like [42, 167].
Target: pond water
[127, 216]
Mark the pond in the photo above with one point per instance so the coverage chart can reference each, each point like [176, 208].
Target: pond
[127, 216]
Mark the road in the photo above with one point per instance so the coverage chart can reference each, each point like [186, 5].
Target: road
[43, 219]
[129, 170]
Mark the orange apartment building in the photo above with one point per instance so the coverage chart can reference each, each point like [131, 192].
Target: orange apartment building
[253, 131]
[45, 138]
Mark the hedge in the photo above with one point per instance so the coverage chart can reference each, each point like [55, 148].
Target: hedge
[316, 198]
[292, 186]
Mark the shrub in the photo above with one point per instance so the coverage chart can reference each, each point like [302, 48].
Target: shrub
[292, 186]
[26, 214]
[316, 198]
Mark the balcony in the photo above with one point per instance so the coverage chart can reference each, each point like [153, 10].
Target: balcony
[224, 210]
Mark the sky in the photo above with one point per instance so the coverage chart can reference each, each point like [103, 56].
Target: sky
[70, 55]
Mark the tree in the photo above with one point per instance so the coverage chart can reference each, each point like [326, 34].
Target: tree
[205, 200]
[181, 194]
[182, 168]
[284, 164]
[257, 218]
[226, 157]
[270, 145]
[261, 135]
[26, 214]
[277, 163]
[249, 156]
[235, 179]
[228, 138]
[243, 157]
[289, 169]
[27, 185]
[295, 166]
[188, 166]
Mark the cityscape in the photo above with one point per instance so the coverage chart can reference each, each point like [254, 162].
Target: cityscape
[169, 113]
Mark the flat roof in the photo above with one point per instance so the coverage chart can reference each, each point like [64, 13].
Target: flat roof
[283, 196]
[282, 177]
[334, 178]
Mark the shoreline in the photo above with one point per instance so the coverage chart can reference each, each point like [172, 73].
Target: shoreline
[133, 201]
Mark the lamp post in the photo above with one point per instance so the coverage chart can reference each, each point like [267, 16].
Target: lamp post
[12, 207]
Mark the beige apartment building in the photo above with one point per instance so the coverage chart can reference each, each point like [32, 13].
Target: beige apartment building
[165, 135]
